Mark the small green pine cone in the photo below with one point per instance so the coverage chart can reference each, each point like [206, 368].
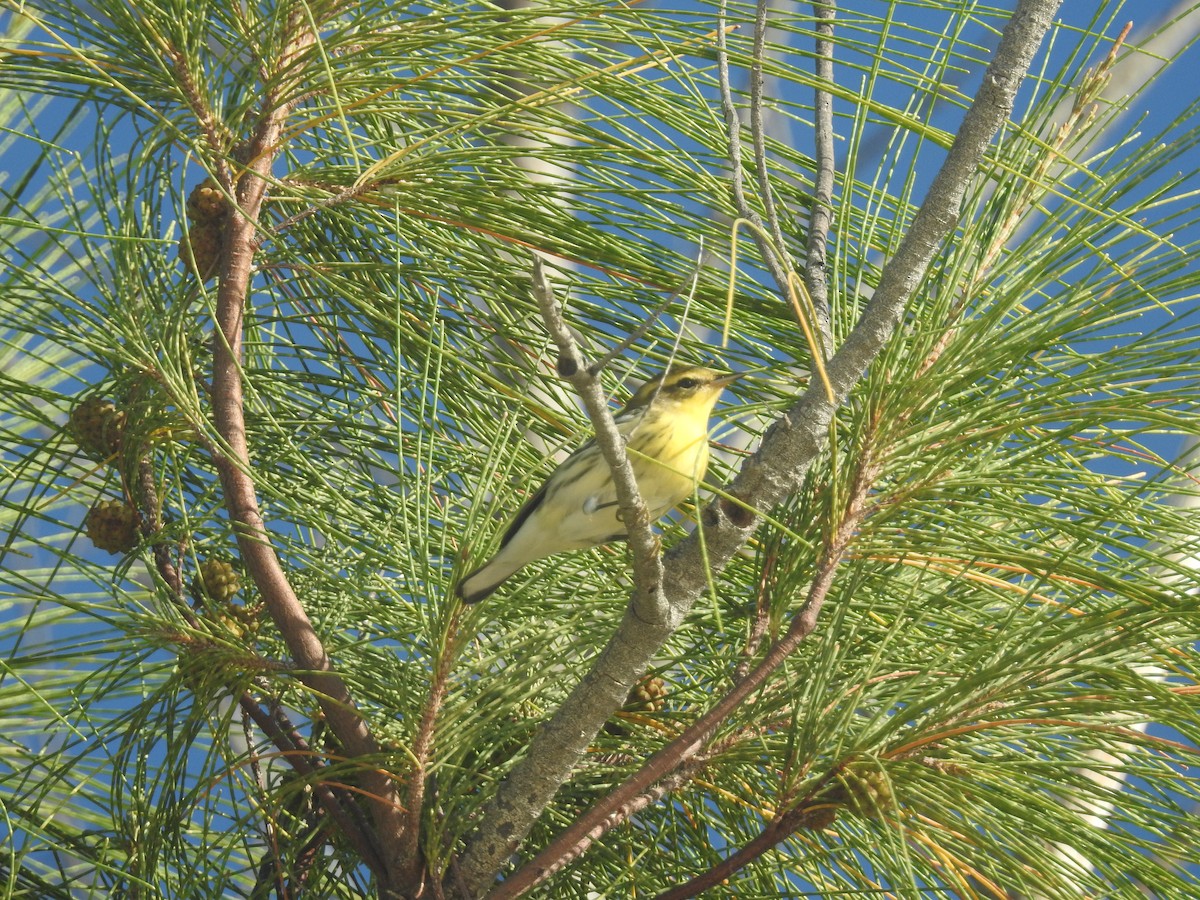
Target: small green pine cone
[112, 525]
[216, 580]
[96, 427]
[868, 790]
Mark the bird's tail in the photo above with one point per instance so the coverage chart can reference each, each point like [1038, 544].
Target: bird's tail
[477, 585]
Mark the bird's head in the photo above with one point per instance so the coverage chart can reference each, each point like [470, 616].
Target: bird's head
[683, 385]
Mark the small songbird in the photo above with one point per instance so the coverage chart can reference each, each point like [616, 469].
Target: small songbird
[665, 425]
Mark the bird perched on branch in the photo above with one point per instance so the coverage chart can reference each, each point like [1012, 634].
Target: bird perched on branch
[665, 425]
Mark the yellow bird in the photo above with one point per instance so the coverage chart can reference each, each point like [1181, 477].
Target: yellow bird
[665, 425]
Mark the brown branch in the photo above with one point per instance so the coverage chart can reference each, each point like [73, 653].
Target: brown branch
[235, 468]
[778, 829]
[339, 806]
[151, 516]
[805, 621]
[275, 726]
[762, 608]
[411, 863]
[618, 805]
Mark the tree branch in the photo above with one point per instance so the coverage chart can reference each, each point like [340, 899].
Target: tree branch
[787, 450]
[607, 686]
[683, 750]
[234, 464]
[815, 276]
[411, 862]
[275, 726]
[733, 127]
[614, 808]
[647, 565]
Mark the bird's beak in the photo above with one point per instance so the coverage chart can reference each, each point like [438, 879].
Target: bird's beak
[725, 380]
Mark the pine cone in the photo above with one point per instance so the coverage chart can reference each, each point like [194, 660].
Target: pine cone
[96, 426]
[648, 695]
[200, 248]
[216, 580]
[112, 525]
[867, 790]
[206, 203]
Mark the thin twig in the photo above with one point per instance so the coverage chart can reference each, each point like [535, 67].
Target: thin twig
[638, 333]
[306, 763]
[775, 831]
[412, 864]
[643, 545]
[737, 177]
[733, 124]
[151, 516]
[276, 727]
[762, 608]
[816, 277]
[803, 624]
[758, 131]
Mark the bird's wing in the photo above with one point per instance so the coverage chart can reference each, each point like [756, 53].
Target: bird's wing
[561, 476]
[627, 420]
[523, 514]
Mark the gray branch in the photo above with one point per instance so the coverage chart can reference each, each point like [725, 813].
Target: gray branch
[571, 730]
[815, 276]
[788, 448]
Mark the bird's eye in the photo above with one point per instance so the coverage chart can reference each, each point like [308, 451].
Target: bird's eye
[688, 383]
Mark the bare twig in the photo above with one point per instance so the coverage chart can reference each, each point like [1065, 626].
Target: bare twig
[788, 448]
[276, 727]
[638, 333]
[758, 131]
[815, 275]
[737, 178]
[803, 624]
[643, 545]
[278, 730]
[775, 831]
